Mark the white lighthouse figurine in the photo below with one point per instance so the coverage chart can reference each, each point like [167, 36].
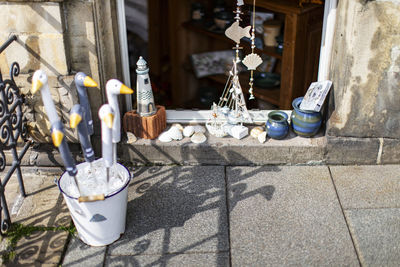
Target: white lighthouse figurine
[145, 99]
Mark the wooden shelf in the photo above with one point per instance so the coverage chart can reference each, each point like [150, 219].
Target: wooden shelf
[284, 6]
[298, 63]
[267, 50]
[270, 95]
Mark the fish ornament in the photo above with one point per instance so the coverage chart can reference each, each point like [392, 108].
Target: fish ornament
[235, 32]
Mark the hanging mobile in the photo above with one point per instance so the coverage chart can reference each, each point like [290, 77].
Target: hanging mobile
[252, 61]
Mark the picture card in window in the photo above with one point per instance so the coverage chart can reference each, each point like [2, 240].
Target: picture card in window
[315, 96]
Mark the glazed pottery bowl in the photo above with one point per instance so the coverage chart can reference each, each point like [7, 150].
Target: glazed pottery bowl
[304, 123]
[277, 124]
[267, 79]
[222, 19]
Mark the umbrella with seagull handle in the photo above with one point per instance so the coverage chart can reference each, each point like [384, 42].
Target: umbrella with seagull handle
[113, 89]
[106, 115]
[82, 81]
[78, 120]
[40, 82]
[57, 135]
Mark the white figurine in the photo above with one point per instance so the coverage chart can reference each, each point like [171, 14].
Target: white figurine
[145, 99]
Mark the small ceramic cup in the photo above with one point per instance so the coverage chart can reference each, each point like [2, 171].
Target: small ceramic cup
[277, 124]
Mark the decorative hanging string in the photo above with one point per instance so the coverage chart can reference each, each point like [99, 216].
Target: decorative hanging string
[253, 37]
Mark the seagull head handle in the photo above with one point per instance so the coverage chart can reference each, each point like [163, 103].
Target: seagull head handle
[116, 87]
[83, 80]
[39, 79]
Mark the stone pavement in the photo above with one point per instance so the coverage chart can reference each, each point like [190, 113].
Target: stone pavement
[229, 216]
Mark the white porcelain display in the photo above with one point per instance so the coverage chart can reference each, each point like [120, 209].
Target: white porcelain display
[239, 131]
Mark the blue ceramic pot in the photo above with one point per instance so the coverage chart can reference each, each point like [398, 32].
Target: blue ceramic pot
[304, 123]
[277, 125]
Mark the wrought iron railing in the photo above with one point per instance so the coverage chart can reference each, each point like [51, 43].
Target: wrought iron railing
[12, 128]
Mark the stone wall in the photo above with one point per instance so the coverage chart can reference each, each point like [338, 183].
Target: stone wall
[61, 38]
[366, 70]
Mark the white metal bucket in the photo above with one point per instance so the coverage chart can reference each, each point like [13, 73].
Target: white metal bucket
[101, 222]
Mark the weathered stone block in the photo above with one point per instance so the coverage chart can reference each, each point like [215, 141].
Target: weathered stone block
[227, 151]
[365, 70]
[31, 17]
[390, 151]
[347, 150]
[64, 95]
[79, 16]
[33, 52]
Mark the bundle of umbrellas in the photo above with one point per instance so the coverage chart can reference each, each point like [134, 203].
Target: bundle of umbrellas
[81, 118]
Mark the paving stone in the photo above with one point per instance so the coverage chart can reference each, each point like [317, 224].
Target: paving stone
[44, 204]
[195, 260]
[80, 254]
[286, 216]
[367, 186]
[41, 247]
[175, 210]
[376, 234]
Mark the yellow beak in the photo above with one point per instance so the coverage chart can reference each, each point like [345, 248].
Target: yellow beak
[36, 85]
[109, 119]
[125, 90]
[57, 137]
[74, 120]
[89, 82]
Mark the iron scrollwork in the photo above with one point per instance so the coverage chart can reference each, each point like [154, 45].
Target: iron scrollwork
[12, 128]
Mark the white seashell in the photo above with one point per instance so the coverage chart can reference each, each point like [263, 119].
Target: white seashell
[256, 131]
[252, 61]
[199, 129]
[262, 137]
[165, 137]
[188, 131]
[198, 138]
[177, 125]
[131, 138]
[175, 133]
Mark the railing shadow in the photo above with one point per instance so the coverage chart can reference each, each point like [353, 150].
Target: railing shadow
[41, 246]
[169, 198]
